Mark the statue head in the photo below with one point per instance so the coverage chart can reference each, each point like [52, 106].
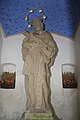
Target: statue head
[37, 24]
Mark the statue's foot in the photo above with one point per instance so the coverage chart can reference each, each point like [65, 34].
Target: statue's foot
[28, 110]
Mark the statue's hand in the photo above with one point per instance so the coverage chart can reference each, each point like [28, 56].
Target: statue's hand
[25, 33]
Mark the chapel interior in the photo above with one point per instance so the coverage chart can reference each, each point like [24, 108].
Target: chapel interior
[62, 20]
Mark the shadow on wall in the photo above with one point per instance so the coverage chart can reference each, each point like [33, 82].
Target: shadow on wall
[77, 53]
[74, 12]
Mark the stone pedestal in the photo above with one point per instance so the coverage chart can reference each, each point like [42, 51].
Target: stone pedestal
[39, 116]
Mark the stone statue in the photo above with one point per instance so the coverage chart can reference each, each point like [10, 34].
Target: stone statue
[38, 52]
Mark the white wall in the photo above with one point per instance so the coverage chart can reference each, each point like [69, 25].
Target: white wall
[0, 45]
[13, 100]
[63, 100]
[1, 40]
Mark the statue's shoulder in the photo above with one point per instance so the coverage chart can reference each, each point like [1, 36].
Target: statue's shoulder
[48, 35]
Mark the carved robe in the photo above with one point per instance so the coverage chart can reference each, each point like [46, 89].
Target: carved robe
[38, 52]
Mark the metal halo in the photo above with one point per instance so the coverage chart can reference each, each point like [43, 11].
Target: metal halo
[31, 11]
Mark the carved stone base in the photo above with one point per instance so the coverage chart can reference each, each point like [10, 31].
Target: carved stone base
[39, 116]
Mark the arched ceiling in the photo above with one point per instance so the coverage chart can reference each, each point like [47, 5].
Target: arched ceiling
[62, 15]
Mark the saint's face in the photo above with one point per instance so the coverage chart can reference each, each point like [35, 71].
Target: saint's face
[38, 26]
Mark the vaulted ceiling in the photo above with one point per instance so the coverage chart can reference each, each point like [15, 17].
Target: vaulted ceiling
[62, 15]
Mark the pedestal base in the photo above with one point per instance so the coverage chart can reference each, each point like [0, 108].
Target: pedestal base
[39, 116]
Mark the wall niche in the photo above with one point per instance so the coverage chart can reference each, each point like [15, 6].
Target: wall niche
[7, 76]
[69, 76]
